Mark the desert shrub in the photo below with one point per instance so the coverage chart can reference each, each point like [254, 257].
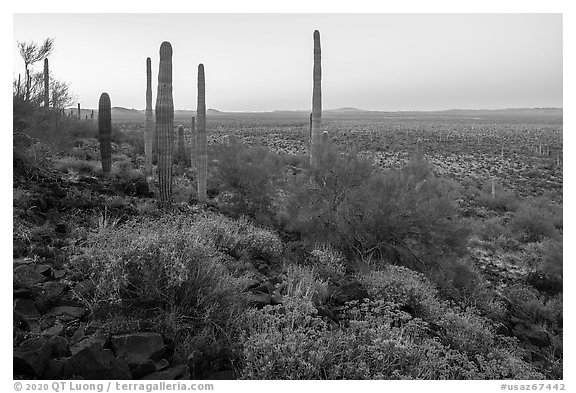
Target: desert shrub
[328, 261]
[132, 138]
[247, 179]
[183, 189]
[536, 220]
[75, 165]
[464, 329]
[553, 259]
[405, 287]
[302, 282]
[240, 238]
[396, 216]
[501, 201]
[172, 270]
[163, 263]
[535, 308]
[378, 342]
[492, 228]
[32, 159]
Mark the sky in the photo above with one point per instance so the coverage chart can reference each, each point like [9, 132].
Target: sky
[263, 62]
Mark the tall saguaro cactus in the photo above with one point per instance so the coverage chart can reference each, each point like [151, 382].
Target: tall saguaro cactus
[165, 123]
[78, 111]
[46, 85]
[316, 100]
[193, 154]
[201, 144]
[105, 132]
[149, 129]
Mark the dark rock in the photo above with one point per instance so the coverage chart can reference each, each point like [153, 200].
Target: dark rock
[43, 269]
[161, 364]
[59, 346]
[26, 307]
[324, 312]
[41, 204]
[57, 191]
[22, 323]
[26, 276]
[26, 315]
[68, 311]
[265, 287]
[85, 288]
[22, 261]
[260, 299]
[79, 333]
[276, 299]
[146, 368]
[51, 292]
[98, 341]
[55, 330]
[347, 291]
[179, 372]
[22, 293]
[31, 357]
[54, 369]
[92, 327]
[137, 348]
[61, 229]
[47, 321]
[95, 363]
[58, 273]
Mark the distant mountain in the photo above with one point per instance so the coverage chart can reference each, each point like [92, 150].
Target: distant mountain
[180, 115]
[346, 110]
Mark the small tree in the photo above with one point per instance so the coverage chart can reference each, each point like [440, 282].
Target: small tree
[31, 53]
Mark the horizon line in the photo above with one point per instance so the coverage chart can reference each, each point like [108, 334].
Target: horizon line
[344, 108]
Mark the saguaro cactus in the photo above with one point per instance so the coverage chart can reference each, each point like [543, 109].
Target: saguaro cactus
[201, 145]
[193, 143]
[324, 138]
[149, 128]
[78, 111]
[46, 85]
[165, 123]
[181, 145]
[419, 150]
[310, 131]
[105, 132]
[316, 100]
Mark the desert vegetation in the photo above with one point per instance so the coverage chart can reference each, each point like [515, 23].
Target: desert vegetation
[296, 246]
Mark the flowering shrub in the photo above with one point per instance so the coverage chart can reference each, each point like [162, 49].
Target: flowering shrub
[379, 342]
[240, 238]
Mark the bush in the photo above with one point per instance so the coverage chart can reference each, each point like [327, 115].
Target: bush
[75, 165]
[164, 263]
[501, 201]
[176, 271]
[239, 238]
[378, 342]
[247, 178]
[537, 220]
[405, 287]
[396, 216]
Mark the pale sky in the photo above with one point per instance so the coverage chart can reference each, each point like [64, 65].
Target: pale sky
[263, 62]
